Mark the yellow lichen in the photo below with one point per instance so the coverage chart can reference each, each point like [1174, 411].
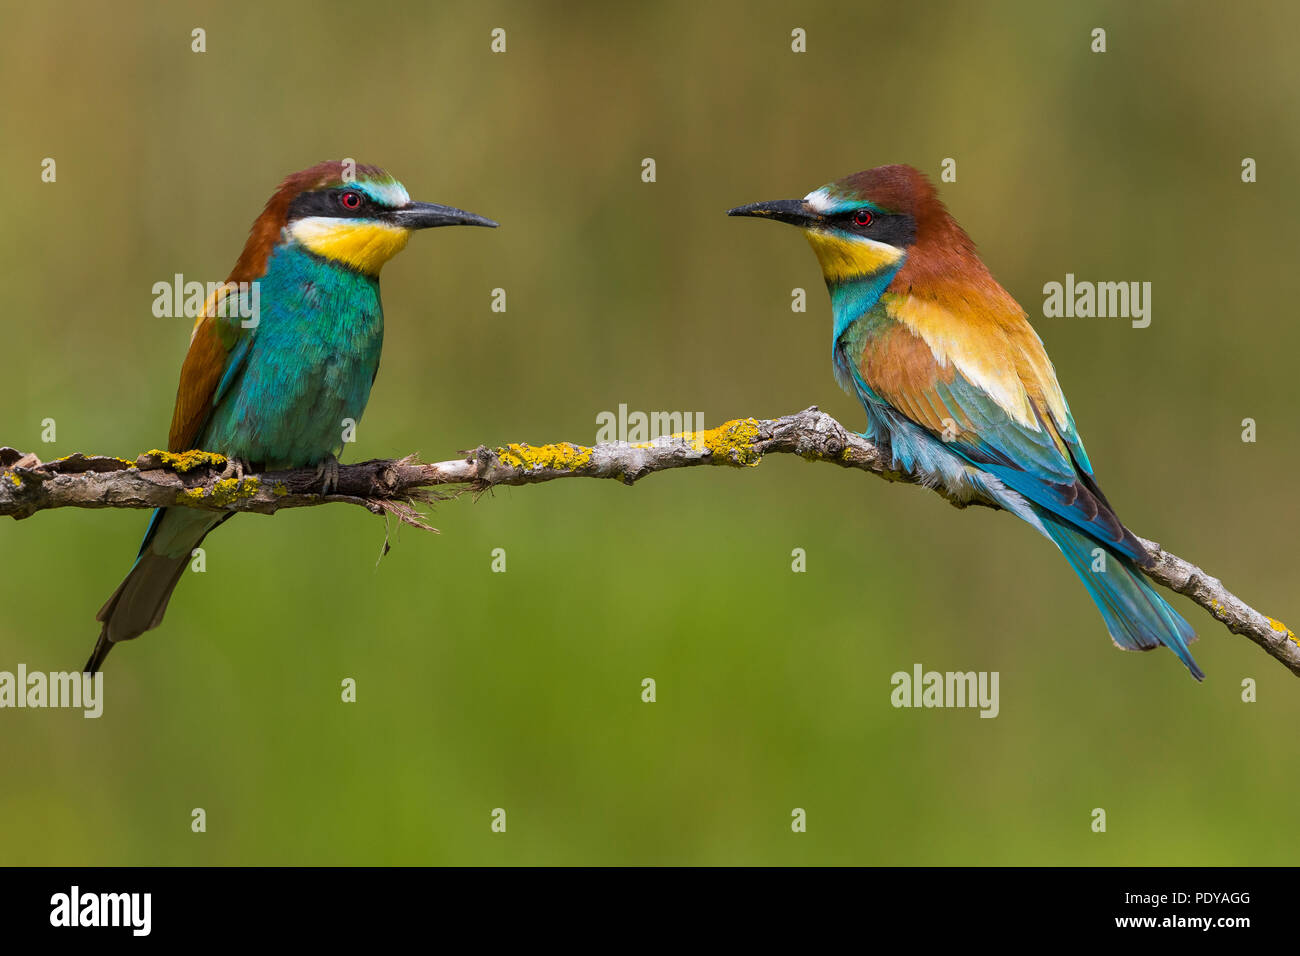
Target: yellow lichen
[223, 492]
[187, 460]
[1279, 626]
[732, 440]
[17, 482]
[232, 489]
[563, 456]
[279, 489]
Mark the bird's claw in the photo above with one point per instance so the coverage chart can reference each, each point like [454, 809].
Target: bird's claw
[235, 468]
[327, 473]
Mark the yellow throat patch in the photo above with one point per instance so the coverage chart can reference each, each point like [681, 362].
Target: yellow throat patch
[843, 257]
[360, 244]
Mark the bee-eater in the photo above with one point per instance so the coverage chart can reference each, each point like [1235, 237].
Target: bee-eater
[957, 384]
[270, 387]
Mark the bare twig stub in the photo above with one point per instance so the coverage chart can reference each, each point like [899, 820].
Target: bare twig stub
[399, 486]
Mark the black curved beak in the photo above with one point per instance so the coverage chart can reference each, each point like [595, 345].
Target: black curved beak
[426, 215]
[794, 211]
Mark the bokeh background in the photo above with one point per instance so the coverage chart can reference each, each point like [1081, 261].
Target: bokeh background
[521, 690]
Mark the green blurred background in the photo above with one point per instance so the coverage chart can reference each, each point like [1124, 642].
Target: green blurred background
[521, 690]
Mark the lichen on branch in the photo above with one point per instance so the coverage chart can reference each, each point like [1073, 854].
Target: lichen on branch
[398, 487]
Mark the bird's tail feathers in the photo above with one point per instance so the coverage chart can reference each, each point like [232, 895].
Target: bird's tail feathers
[140, 601]
[1137, 618]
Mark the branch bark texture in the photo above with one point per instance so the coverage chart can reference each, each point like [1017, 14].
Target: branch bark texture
[399, 486]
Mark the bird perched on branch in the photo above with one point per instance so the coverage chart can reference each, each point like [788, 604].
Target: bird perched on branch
[282, 354]
[957, 384]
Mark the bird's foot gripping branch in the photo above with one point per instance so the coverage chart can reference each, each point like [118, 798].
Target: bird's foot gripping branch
[399, 486]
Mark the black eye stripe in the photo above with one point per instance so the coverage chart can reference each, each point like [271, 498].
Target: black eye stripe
[896, 229]
[329, 202]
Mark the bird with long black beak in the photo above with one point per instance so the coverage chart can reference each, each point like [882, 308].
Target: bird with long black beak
[956, 383]
[276, 390]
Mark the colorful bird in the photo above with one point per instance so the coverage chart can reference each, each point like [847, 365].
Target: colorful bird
[957, 384]
[280, 357]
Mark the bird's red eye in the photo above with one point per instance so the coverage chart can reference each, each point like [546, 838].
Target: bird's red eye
[862, 217]
[351, 200]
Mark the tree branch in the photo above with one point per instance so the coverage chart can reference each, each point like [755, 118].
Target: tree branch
[398, 486]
